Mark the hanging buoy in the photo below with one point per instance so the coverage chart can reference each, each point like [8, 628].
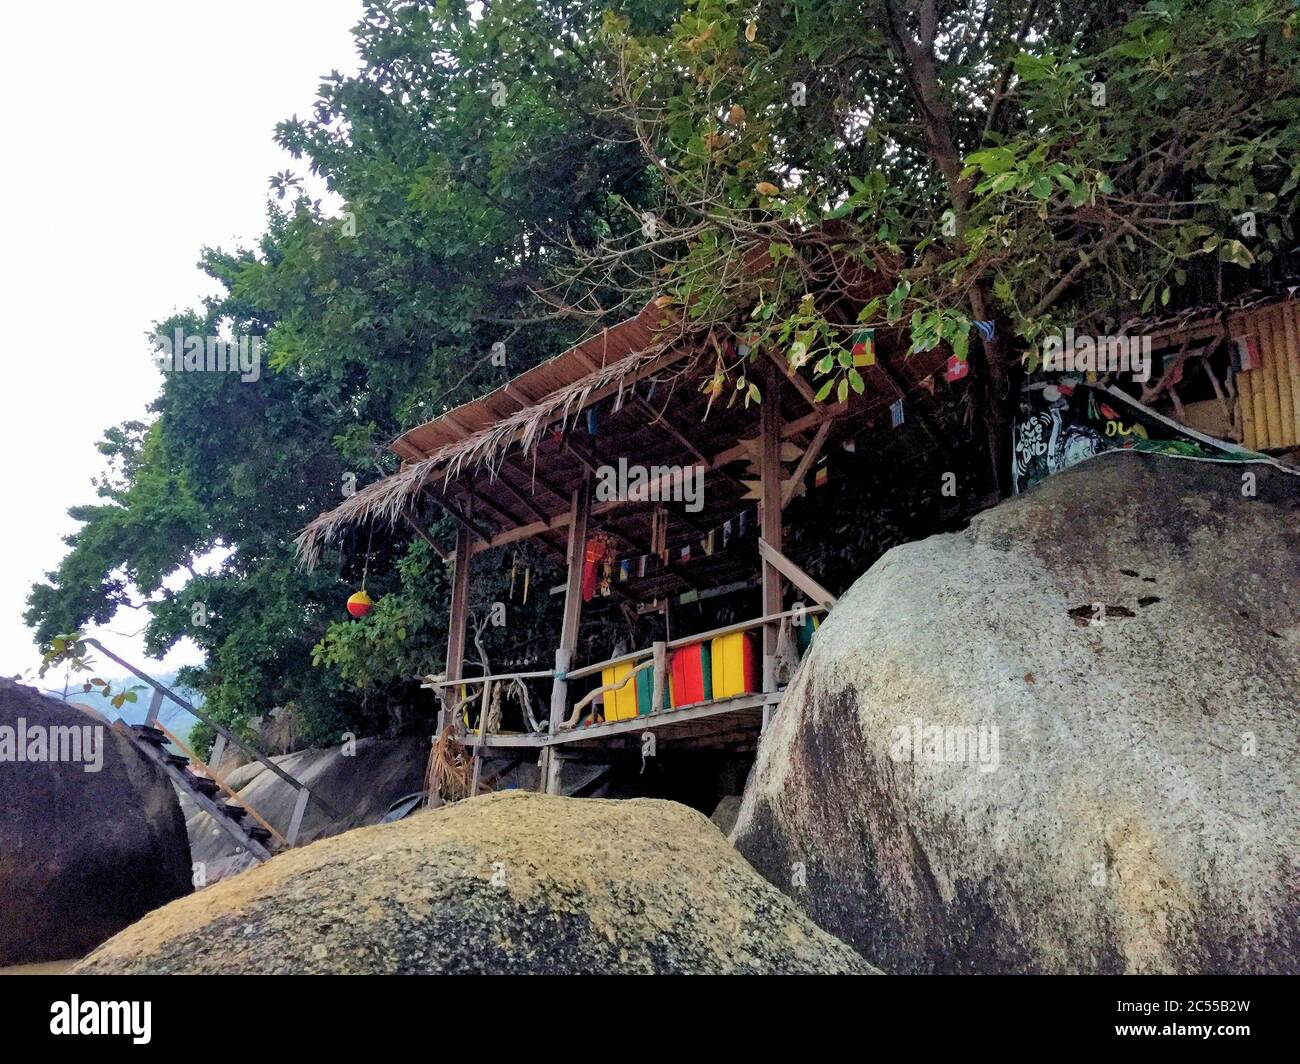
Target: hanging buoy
[360, 604]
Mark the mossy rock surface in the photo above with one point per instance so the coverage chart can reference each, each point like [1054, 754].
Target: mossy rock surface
[508, 883]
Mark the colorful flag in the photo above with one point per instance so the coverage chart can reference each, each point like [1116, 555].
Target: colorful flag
[1246, 354]
[864, 347]
[896, 412]
[821, 476]
[985, 329]
[957, 369]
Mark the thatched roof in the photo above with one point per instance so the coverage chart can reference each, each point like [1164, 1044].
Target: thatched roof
[621, 353]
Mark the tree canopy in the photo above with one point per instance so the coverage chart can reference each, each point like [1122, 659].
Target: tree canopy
[517, 173]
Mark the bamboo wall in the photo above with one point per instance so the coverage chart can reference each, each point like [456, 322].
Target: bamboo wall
[1268, 398]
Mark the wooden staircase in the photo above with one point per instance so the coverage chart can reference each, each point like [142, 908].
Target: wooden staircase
[202, 783]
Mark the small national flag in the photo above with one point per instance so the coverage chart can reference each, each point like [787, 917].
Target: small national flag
[707, 543]
[957, 369]
[624, 570]
[896, 412]
[686, 553]
[726, 533]
[1246, 352]
[985, 328]
[864, 347]
[744, 522]
[821, 476]
[641, 562]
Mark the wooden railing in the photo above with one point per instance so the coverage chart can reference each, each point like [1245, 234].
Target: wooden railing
[653, 657]
[224, 737]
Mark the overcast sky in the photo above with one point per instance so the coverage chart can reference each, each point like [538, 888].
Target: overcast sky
[136, 132]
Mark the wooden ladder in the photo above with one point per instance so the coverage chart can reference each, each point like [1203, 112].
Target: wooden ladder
[203, 784]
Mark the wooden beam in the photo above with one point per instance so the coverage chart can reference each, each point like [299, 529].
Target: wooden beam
[795, 575]
[579, 511]
[418, 526]
[463, 519]
[770, 527]
[458, 617]
[800, 385]
[805, 462]
[519, 497]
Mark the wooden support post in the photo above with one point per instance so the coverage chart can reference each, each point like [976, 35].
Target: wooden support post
[456, 624]
[218, 752]
[795, 575]
[579, 511]
[295, 822]
[155, 704]
[658, 699]
[770, 525]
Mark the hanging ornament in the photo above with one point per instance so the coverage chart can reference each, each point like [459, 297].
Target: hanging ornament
[592, 557]
[360, 604]
[864, 347]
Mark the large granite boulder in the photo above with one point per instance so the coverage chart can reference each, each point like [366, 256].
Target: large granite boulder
[507, 883]
[1065, 739]
[91, 833]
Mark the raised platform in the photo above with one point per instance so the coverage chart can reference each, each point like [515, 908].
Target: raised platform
[728, 723]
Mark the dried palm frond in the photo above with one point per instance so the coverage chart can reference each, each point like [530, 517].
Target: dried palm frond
[450, 768]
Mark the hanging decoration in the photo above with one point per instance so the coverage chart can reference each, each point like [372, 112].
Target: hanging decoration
[957, 368]
[864, 347]
[607, 563]
[896, 412]
[360, 604]
[591, 559]
[517, 567]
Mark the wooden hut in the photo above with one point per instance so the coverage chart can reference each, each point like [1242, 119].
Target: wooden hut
[524, 463]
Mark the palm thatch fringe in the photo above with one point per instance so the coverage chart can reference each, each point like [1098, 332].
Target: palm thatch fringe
[386, 500]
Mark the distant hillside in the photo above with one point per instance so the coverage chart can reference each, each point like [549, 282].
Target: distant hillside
[175, 719]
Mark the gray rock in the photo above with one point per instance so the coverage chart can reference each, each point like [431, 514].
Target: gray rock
[505, 883]
[1142, 813]
[82, 853]
[360, 785]
[724, 816]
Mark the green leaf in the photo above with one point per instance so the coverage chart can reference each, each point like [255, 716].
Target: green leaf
[1236, 252]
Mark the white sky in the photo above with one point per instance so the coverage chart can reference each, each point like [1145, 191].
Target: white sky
[146, 134]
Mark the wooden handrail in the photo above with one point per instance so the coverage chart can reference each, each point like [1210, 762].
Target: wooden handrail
[220, 781]
[221, 729]
[536, 675]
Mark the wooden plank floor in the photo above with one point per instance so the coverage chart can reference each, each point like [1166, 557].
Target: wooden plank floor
[723, 724]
